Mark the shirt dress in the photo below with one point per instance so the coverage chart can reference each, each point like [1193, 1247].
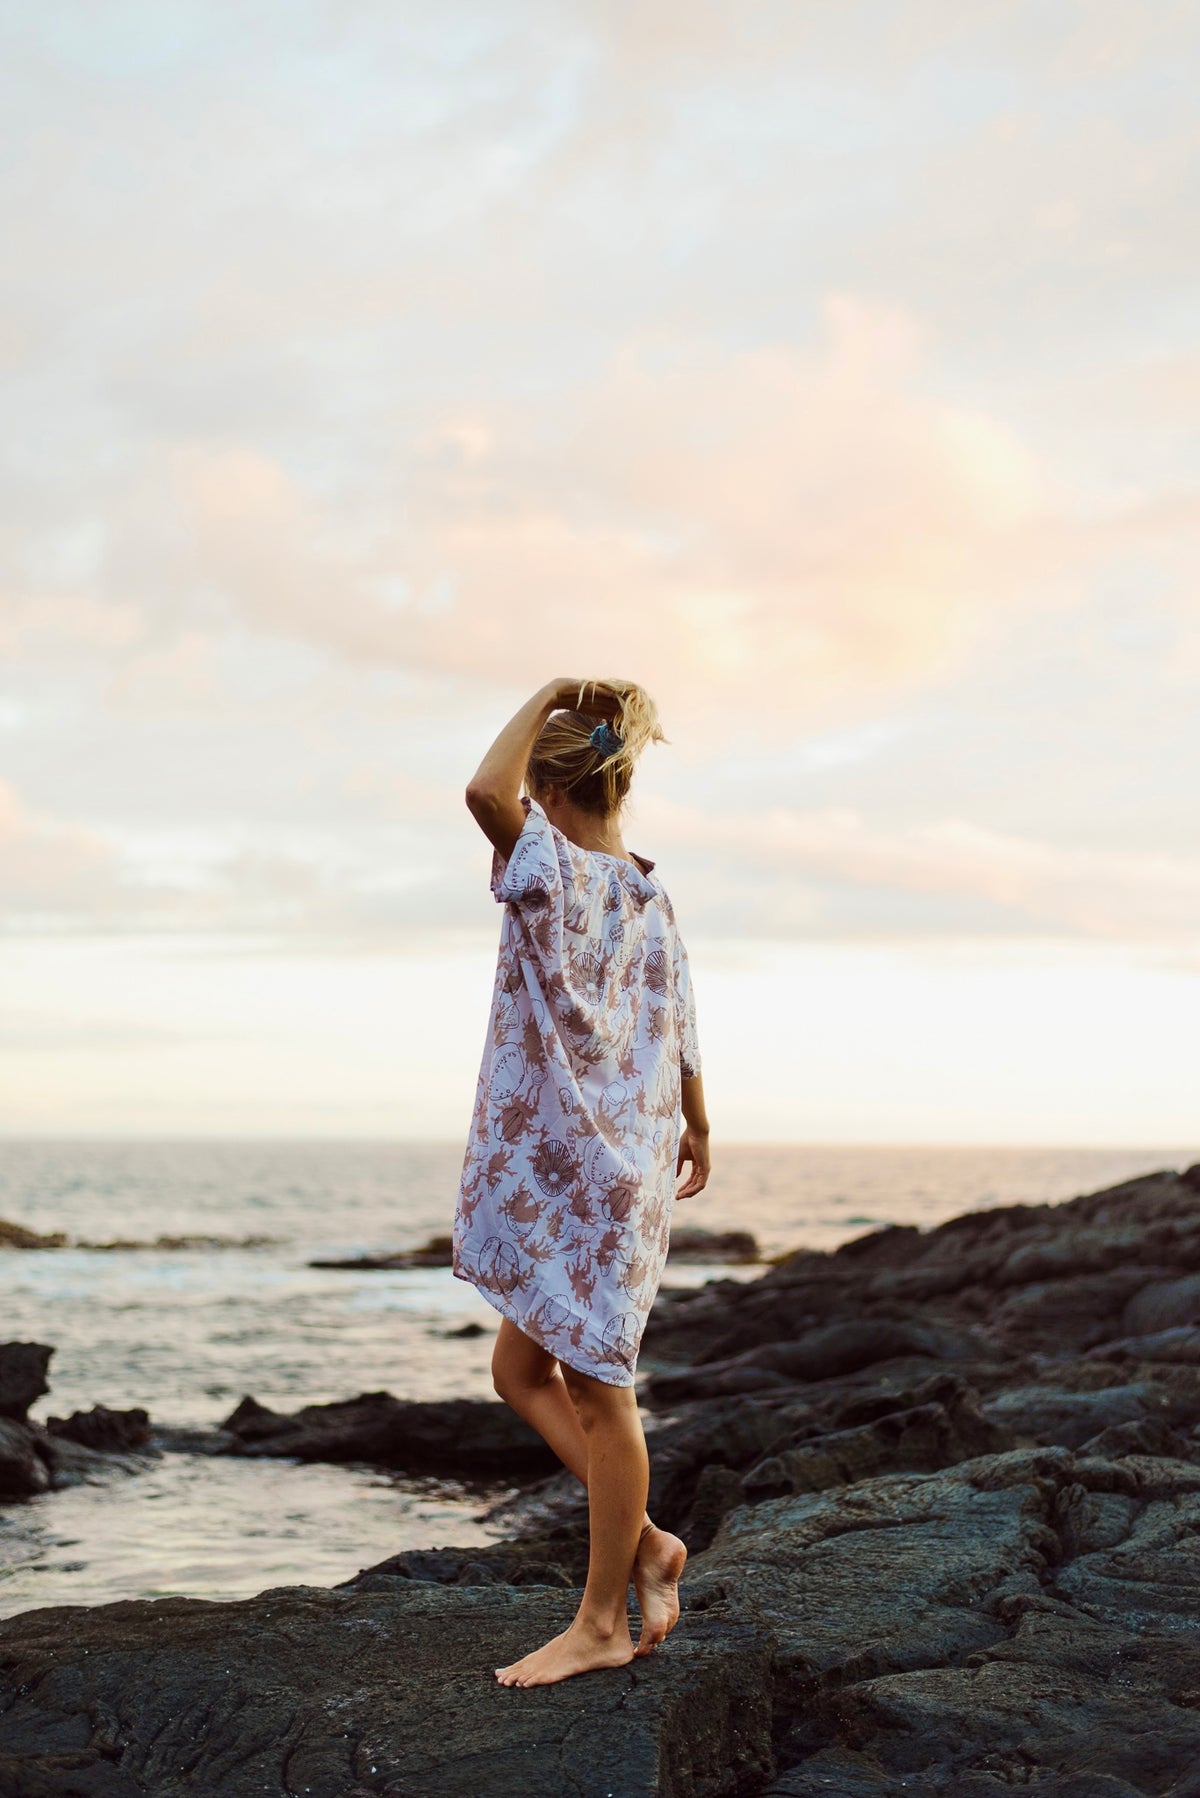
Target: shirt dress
[564, 1207]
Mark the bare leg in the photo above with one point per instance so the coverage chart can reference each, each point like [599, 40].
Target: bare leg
[618, 1474]
[527, 1377]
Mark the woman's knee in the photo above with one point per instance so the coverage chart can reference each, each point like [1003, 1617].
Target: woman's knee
[595, 1399]
[518, 1365]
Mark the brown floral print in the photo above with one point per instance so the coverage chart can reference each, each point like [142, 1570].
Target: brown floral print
[564, 1206]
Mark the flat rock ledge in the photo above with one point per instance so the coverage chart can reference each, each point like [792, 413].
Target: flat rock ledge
[388, 1688]
[942, 1496]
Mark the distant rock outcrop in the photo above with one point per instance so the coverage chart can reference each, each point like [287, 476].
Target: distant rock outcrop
[459, 1437]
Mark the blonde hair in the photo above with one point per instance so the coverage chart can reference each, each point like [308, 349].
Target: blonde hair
[564, 755]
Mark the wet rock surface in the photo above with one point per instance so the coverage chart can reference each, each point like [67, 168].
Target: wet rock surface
[388, 1688]
[20, 1236]
[22, 1377]
[454, 1437]
[437, 1252]
[37, 1458]
[115, 1432]
[942, 1495]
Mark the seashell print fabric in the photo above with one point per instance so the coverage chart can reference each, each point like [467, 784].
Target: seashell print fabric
[564, 1207]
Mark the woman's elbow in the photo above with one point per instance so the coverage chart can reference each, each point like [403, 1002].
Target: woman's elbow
[479, 798]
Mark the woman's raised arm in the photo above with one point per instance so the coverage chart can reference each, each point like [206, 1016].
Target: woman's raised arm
[494, 790]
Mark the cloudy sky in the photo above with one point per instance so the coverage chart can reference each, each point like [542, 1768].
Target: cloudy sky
[832, 370]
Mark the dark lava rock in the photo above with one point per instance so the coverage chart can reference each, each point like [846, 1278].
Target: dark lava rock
[467, 1330]
[24, 1471]
[117, 1432]
[437, 1252]
[921, 1438]
[954, 1632]
[941, 1491]
[124, 1244]
[1047, 1278]
[461, 1438]
[22, 1377]
[1162, 1305]
[382, 1690]
[34, 1459]
[689, 1242]
[817, 1355]
[18, 1236]
[558, 1560]
[1180, 1343]
[1047, 1413]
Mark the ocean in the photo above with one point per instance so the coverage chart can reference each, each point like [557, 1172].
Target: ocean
[185, 1333]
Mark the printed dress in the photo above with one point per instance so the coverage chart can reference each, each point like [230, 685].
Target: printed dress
[564, 1209]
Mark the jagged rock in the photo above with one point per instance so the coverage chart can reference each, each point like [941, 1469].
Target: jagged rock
[730, 1433]
[880, 1576]
[116, 1432]
[921, 1438]
[1064, 1706]
[463, 1438]
[922, 1609]
[1048, 1414]
[34, 1459]
[1070, 1315]
[23, 1471]
[437, 1252]
[384, 1689]
[22, 1377]
[1162, 1305]
[559, 1560]
[823, 1354]
[947, 1633]
[689, 1242]
[19, 1236]
[172, 1244]
[1181, 1343]
[1142, 1436]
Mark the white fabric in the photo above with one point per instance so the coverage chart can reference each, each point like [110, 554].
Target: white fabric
[564, 1208]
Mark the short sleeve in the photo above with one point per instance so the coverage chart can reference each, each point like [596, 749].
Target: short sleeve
[685, 1011]
[534, 874]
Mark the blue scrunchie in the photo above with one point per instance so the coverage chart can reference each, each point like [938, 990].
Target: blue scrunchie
[605, 739]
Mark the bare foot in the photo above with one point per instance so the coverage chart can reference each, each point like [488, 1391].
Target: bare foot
[578, 1650]
[656, 1571]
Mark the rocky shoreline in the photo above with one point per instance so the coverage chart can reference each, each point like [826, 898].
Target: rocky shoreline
[941, 1491]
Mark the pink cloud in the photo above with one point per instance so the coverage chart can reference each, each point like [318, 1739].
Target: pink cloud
[50, 869]
[1120, 895]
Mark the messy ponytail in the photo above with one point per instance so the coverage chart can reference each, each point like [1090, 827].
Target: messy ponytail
[596, 779]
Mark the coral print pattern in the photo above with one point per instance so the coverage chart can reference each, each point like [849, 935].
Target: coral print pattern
[564, 1209]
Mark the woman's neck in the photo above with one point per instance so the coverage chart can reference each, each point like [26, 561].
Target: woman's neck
[588, 830]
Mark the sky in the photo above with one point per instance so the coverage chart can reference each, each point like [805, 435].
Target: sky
[832, 371]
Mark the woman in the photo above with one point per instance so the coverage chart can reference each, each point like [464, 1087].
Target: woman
[589, 1104]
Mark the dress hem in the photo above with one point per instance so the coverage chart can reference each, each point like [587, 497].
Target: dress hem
[506, 1308]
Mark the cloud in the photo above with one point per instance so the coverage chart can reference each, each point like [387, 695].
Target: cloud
[50, 871]
[1151, 897]
[698, 514]
[701, 513]
[781, 873]
[814, 366]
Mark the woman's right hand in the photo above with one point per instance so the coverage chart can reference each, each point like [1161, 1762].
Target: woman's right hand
[693, 1147]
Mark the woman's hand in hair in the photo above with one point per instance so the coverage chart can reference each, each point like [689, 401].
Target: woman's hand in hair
[595, 701]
